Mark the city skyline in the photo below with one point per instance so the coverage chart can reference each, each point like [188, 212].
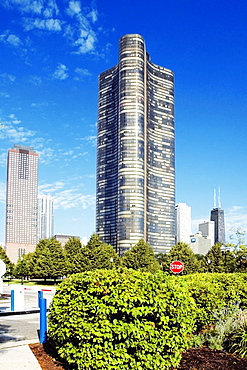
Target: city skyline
[51, 55]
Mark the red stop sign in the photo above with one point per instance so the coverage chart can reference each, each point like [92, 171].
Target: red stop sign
[176, 267]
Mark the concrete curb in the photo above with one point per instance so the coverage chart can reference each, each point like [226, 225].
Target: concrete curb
[10, 313]
[12, 344]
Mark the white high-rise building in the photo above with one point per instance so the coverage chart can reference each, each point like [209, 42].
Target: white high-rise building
[21, 201]
[45, 217]
[183, 222]
[207, 229]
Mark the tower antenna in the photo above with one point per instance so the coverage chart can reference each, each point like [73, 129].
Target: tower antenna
[219, 203]
[214, 198]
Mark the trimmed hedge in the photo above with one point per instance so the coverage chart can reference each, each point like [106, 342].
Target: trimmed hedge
[214, 292]
[121, 319]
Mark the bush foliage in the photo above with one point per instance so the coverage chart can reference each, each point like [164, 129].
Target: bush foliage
[121, 319]
[215, 292]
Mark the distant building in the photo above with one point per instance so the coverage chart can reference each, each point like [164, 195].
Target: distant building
[217, 215]
[21, 201]
[62, 238]
[207, 229]
[45, 217]
[135, 193]
[183, 222]
[200, 244]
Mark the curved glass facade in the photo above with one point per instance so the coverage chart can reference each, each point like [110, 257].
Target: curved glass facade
[135, 157]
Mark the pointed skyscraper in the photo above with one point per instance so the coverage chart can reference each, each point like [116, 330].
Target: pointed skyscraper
[217, 215]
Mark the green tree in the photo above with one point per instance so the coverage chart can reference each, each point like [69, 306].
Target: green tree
[219, 259]
[241, 258]
[161, 258]
[48, 259]
[8, 263]
[22, 267]
[76, 259]
[141, 257]
[183, 253]
[100, 255]
[39, 266]
[104, 257]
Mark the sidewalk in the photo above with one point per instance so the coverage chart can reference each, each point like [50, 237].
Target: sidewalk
[18, 356]
[15, 354]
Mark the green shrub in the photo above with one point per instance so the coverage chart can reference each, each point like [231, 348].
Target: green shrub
[237, 339]
[208, 297]
[216, 336]
[121, 319]
[214, 293]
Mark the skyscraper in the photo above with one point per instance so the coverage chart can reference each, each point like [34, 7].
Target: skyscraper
[217, 215]
[21, 201]
[135, 196]
[45, 217]
[183, 223]
[207, 229]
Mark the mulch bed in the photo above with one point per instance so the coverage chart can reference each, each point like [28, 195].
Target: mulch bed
[193, 359]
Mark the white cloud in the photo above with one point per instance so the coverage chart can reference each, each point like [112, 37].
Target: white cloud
[69, 152]
[39, 105]
[61, 72]
[14, 120]
[76, 21]
[236, 217]
[67, 198]
[26, 6]
[16, 135]
[93, 15]
[13, 40]
[51, 188]
[35, 80]
[92, 139]
[86, 42]
[81, 72]
[43, 24]
[7, 78]
[70, 198]
[46, 155]
[74, 8]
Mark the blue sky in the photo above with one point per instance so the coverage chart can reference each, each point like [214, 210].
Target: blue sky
[52, 52]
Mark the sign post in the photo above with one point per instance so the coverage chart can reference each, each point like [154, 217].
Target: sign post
[176, 267]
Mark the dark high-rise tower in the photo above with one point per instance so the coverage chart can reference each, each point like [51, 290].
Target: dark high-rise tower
[21, 201]
[135, 151]
[217, 215]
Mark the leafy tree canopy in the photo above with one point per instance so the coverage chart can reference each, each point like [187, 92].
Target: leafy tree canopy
[219, 259]
[141, 257]
[76, 260]
[6, 260]
[183, 253]
[23, 266]
[100, 255]
[48, 259]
